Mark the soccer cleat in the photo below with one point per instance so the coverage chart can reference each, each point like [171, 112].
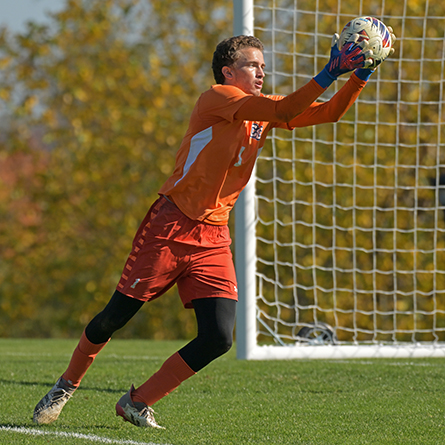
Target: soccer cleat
[49, 408]
[136, 413]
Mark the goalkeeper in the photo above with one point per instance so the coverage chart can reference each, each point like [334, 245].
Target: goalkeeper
[184, 239]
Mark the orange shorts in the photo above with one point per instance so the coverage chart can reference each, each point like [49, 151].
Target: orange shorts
[169, 248]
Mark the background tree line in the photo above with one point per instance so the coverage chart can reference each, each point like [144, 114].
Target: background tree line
[93, 108]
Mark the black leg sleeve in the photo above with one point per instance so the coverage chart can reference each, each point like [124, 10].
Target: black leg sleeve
[119, 310]
[216, 320]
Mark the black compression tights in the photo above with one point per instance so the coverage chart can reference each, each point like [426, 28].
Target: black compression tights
[215, 318]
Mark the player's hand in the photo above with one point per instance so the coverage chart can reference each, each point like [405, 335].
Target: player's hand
[353, 55]
[393, 40]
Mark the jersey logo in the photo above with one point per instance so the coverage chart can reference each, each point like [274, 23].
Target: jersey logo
[256, 131]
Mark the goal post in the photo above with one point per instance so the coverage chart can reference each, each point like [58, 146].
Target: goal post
[245, 240]
[340, 234]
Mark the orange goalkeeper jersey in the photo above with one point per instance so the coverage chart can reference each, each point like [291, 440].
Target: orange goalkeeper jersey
[219, 150]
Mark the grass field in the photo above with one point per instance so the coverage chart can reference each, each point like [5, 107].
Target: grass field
[229, 402]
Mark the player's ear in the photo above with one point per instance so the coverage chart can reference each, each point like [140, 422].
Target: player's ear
[227, 72]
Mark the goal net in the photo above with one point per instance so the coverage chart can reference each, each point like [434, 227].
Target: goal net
[340, 235]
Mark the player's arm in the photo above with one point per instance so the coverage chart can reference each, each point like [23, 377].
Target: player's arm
[352, 55]
[339, 104]
[336, 107]
[263, 108]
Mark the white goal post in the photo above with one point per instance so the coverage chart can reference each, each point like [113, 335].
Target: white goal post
[340, 234]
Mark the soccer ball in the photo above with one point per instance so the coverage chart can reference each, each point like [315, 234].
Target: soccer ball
[372, 30]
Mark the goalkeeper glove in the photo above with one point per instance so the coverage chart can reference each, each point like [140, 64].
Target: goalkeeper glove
[393, 40]
[352, 55]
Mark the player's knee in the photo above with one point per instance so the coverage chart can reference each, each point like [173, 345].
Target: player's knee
[109, 325]
[225, 347]
[222, 343]
[102, 327]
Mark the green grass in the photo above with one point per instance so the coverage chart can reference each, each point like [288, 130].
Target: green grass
[230, 402]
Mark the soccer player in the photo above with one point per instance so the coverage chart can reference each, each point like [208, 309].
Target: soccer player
[184, 238]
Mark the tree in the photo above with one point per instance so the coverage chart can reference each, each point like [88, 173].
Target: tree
[94, 108]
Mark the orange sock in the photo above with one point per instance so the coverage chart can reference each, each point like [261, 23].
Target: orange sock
[81, 360]
[172, 373]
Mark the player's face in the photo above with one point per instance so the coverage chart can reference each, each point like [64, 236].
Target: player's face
[247, 73]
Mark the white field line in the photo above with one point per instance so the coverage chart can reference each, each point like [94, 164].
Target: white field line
[390, 363]
[90, 437]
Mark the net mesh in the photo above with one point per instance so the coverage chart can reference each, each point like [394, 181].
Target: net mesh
[350, 216]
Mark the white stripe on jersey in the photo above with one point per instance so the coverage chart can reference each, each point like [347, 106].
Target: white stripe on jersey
[197, 144]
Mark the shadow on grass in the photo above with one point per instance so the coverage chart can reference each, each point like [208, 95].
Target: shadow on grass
[59, 426]
[51, 384]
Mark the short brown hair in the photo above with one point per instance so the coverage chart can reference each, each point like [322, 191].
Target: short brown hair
[226, 53]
